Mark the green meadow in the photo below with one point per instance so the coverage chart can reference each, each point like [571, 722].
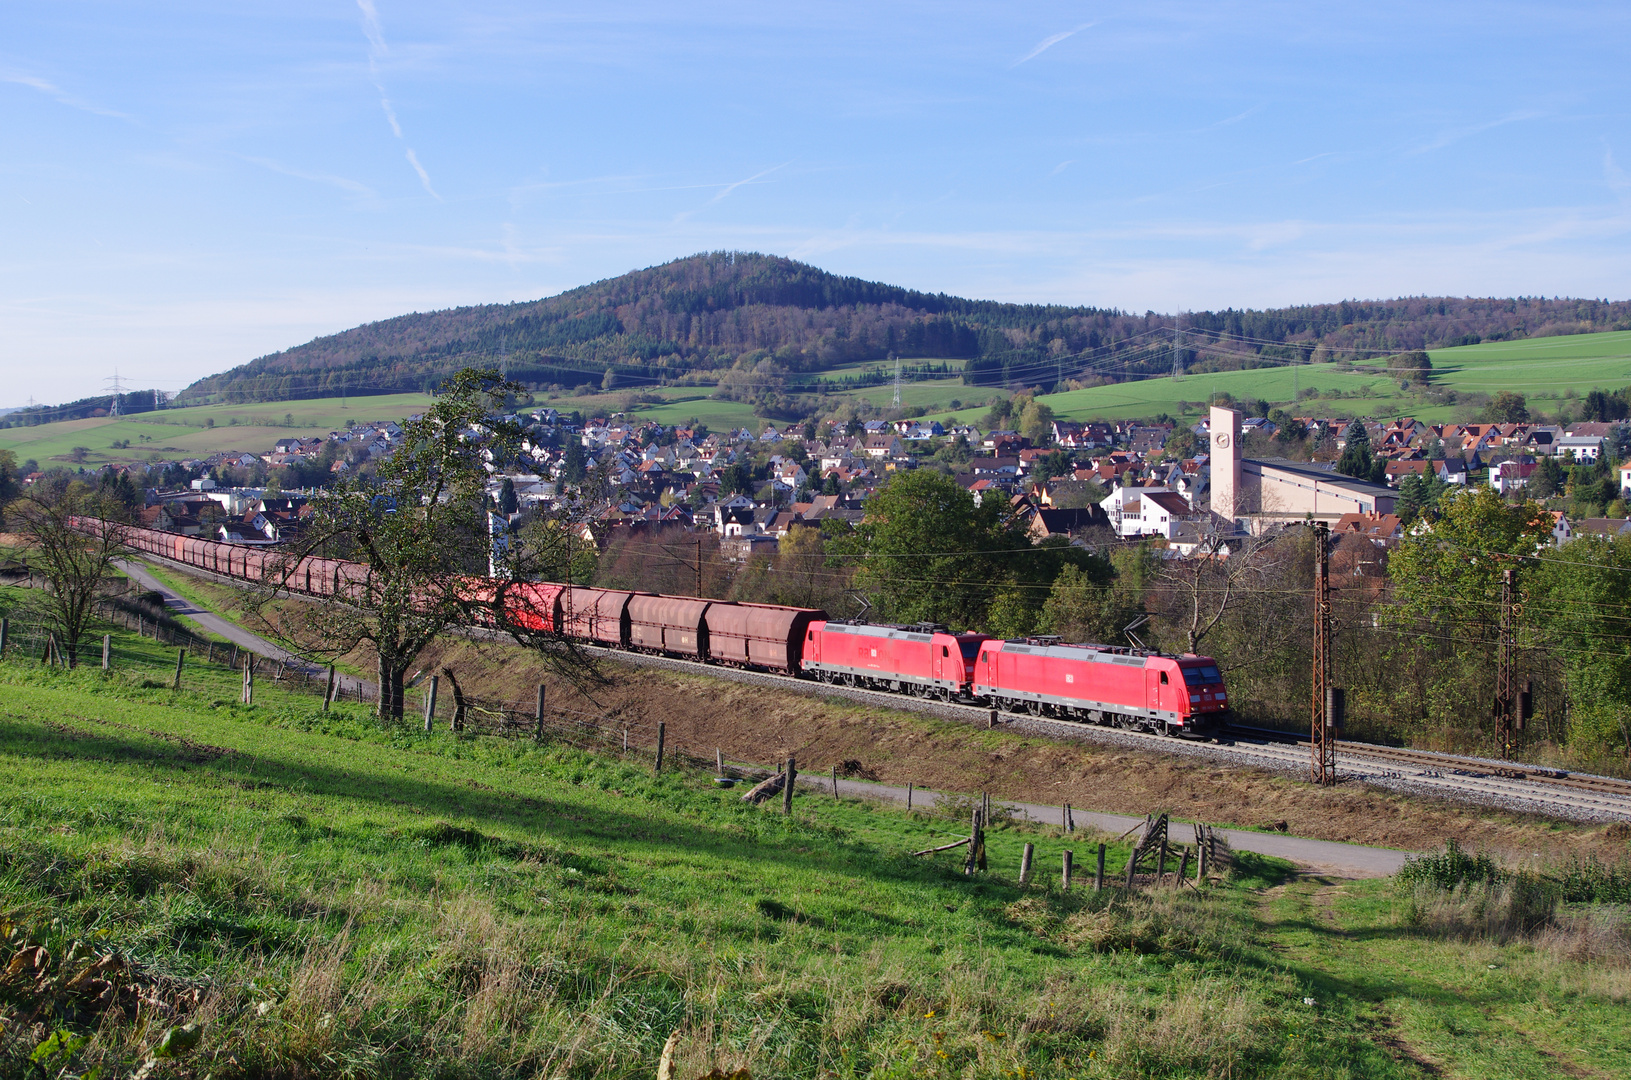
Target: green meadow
[192, 887]
[1544, 369]
[201, 430]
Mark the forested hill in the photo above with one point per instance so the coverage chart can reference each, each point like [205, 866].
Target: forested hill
[686, 320]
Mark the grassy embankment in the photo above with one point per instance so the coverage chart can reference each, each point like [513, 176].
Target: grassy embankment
[323, 897]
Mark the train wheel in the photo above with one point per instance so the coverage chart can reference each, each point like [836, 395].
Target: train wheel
[1035, 707]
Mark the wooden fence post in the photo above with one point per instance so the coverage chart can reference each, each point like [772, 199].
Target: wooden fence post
[1065, 871]
[1183, 868]
[5, 633]
[181, 656]
[719, 761]
[107, 652]
[249, 679]
[538, 734]
[835, 782]
[430, 704]
[991, 719]
[328, 692]
[787, 786]
[976, 844]
[662, 732]
[908, 796]
[1025, 864]
[1098, 874]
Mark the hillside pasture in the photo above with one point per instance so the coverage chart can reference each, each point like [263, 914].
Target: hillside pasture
[1543, 369]
[185, 432]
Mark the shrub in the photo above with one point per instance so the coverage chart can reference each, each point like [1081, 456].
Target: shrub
[1450, 868]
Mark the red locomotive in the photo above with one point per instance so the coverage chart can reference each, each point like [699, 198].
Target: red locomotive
[1102, 684]
[925, 660]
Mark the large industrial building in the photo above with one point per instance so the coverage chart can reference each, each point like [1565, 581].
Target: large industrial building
[1258, 493]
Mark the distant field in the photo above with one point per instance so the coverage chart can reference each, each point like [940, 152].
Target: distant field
[1541, 368]
[1538, 365]
[177, 433]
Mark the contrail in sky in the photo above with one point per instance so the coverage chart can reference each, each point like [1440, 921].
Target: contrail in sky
[376, 49]
[1045, 44]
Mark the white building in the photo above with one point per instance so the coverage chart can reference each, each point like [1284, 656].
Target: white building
[1584, 447]
[1146, 511]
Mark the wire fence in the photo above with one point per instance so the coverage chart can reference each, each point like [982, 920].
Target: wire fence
[436, 701]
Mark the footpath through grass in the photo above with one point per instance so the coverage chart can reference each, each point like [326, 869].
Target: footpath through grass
[199, 888]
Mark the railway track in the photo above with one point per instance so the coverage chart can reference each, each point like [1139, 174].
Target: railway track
[1529, 790]
[1613, 788]
[1508, 785]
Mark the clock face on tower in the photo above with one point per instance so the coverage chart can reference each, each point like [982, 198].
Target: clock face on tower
[1222, 440]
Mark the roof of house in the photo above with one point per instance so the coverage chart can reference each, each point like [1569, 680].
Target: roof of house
[1170, 501]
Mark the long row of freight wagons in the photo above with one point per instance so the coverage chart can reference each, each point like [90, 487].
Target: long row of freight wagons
[1092, 683]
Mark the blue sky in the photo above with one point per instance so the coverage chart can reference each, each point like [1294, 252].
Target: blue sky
[189, 185]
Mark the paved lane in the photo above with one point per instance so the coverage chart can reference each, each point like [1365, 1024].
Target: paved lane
[1324, 856]
[215, 624]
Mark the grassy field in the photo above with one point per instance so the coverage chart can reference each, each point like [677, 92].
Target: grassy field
[1541, 368]
[179, 433]
[311, 894]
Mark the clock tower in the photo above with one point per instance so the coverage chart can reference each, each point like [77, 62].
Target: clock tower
[1225, 452]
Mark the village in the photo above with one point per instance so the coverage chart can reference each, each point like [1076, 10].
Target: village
[1126, 480]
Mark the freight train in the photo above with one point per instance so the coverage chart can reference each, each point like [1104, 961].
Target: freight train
[1098, 684]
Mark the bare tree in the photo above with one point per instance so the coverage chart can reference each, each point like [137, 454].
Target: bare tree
[72, 537]
[1201, 589]
[425, 546]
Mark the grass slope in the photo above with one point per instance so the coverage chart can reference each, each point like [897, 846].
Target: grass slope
[179, 433]
[1537, 367]
[326, 897]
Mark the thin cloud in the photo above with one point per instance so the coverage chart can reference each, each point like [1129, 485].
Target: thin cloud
[1457, 134]
[341, 182]
[1613, 175]
[1237, 118]
[376, 49]
[60, 96]
[1049, 42]
[728, 188]
[424, 177]
[1062, 166]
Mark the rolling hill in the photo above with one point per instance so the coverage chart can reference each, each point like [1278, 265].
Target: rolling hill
[688, 321]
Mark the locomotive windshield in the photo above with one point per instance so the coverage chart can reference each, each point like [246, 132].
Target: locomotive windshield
[1195, 676]
[970, 647]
